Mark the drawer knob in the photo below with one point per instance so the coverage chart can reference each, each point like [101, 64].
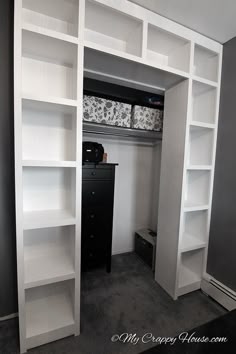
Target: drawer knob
[90, 255]
[93, 193]
[92, 236]
[92, 216]
[93, 173]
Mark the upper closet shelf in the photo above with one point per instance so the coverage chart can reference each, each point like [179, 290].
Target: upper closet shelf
[121, 132]
[117, 70]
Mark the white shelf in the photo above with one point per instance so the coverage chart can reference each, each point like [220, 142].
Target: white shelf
[59, 103]
[201, 142]
[203, 103]
[167, 49]
[38, 163]
[118, 33]
[49, 66]
[209, 83]
[49, 255]
[125, 72]
[190, 243]
[199, 167]
[47, 218]
[202, 125]
[191, 206]
[206, 63]
[50, 33]
[48, 308]
[54, 15]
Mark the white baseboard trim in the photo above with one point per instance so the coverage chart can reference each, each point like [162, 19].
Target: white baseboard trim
[9, 317]
[220, 293]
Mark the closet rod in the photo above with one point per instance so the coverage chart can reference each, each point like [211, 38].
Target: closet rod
[149, 136]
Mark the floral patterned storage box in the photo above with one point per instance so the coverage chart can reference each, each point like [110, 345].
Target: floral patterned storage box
[103, 111]
[147, 118]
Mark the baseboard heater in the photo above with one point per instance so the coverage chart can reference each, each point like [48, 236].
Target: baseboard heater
[219, 292]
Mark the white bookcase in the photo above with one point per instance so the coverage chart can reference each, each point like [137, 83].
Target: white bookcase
[48, 106]
[57, 42]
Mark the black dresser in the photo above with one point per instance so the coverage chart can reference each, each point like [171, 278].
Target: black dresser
[97, 214]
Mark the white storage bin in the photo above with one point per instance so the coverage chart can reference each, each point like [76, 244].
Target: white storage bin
[103, 111]
[147, 118]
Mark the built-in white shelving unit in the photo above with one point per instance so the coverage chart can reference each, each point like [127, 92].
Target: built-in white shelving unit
[48, 105]
[56, 43]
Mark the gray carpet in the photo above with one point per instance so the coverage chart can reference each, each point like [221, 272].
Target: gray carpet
[127, 300]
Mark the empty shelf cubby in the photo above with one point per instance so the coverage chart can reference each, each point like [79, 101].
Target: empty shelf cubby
[190, 271]
[201, 142]
[49, 308]
[55, 15]
[195, 230]
[48, 131]
[112, 29]
[203, 103]
[197, 188]
[49, 255]
[206, 63]
[49, 66]
[167, 49]
[48, 194]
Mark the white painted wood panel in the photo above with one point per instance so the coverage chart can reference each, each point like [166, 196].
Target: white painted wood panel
[172, 160]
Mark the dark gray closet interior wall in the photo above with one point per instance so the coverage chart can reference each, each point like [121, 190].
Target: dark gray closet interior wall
[222, 247]
[8, 294]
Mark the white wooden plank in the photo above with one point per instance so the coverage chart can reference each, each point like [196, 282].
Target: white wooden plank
[173, 147]
[48, 218]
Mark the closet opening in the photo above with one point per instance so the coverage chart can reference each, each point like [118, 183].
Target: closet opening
[132, 139]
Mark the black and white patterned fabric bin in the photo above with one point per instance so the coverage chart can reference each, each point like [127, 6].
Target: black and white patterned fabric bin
[147, 118]
[103, 111]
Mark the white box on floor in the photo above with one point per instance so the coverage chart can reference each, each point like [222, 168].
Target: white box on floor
[147, 118]
[103, 111]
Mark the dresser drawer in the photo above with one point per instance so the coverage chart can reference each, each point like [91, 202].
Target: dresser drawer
[95, 241]
[97, 193]
[96, 221]
[91, 258]
[97, 173]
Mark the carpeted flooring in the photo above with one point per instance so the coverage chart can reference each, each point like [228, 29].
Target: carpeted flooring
[126, 301]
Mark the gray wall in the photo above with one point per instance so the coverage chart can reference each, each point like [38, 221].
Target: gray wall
[8, 294]
[222, 247]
